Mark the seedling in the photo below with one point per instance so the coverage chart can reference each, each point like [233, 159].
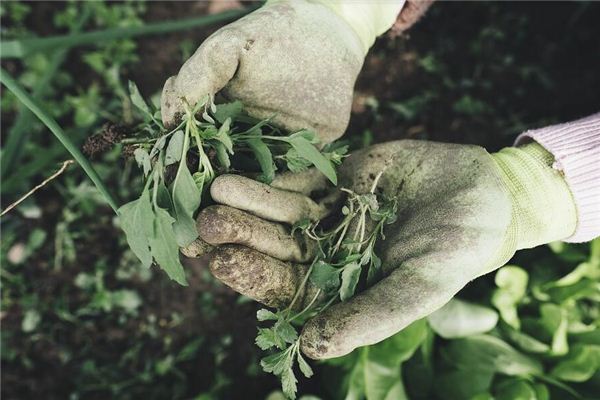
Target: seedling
[344, 252]
[179, 164]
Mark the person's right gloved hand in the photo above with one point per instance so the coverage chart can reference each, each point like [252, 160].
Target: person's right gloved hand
[296, 61]
[461, 213]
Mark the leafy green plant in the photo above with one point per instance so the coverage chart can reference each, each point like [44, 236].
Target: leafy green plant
[343, 253]
[179, 164]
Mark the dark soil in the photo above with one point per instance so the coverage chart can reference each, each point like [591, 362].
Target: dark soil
[526, 64]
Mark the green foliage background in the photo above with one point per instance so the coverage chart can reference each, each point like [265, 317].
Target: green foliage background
[81, 318]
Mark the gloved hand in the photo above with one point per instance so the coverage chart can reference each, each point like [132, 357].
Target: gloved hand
[461, 213]
[294, 60]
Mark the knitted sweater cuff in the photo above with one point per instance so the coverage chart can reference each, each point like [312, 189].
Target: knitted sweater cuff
[576, 150]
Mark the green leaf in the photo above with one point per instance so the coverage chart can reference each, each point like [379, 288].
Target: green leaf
[512, 286]
[286, 331]
[174, 148]
[554, 319]
[268, 338]
[228, 110]
[288, 383]
[524, 341]
[515, 389]
[579, 365]
[309, 151]
[265, 159]
[276, 363]
[265, 315]
[158, 146]
[325, 277]
[459, 319]
[350, 276]
[304, 367]
[142, 158]
[186, 200]
[223, 135]
[136, 220]
[463, 384]
[485, 352]
[294, 162]
[138, 100]
[222, 155]
[164, 247]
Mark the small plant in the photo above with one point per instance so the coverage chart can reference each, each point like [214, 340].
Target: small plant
[343, 253]
[179, 165]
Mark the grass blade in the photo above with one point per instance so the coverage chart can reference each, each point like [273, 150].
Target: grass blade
[22, 48]
[20, 130]
[30, 103]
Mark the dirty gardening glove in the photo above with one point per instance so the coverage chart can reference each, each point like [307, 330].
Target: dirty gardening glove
[295, 61]
[461, 213]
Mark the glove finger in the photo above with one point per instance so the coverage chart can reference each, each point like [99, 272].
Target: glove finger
[265, 279]
[265, 201]
[197, 248]
[205, 73]
[305, 182]
[375, 314]
[222, 225]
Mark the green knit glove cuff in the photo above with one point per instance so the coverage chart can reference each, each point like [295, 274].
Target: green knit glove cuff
[543, 206]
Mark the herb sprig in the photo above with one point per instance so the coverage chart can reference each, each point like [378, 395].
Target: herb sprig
[344, 253]
[179, 164]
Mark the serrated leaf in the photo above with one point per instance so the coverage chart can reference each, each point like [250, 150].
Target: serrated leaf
[267, 338]
[136, 220]
[186, 199]
[265, 315]
[174, 148]
[164, 247]
[324, 276]
[304, 367]
[350, 276]
[142, 158]
[275, 363]
[294, 162]
[308, 151]
[289, 383]
[265, 159]
[286, 331]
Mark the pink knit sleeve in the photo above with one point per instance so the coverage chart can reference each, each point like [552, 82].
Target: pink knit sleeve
[576, 150]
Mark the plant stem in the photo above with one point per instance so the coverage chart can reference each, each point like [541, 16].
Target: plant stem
[51, 124]
[22, 48]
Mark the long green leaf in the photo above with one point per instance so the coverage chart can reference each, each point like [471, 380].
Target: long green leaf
[21, 128]
[22, 48]
[51, 124]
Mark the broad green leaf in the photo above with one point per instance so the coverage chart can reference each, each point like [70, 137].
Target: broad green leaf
[309, 151]
[579, 365]
[164, 247]
[325, 277]
[286, 331]
[228, 110]
[142, 158]
[554, 318]
[462, 384]
[174, 148]
[288, 383]
[138, 100]
[163, 197]
[186, 200]
[459, 319]
[350, 276]
[487, 352]
[524, 341]
[265, 159]
[515, 389]
[512, 286]
[275, 363]
[267, 338]
[136, 220]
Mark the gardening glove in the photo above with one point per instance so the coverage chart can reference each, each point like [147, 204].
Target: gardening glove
[294, 61]
[461, 214]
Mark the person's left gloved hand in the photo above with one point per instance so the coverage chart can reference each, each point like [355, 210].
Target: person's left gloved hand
[461, 213]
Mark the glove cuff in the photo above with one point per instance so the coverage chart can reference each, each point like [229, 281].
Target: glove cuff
[543, 206]
[368, 19]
